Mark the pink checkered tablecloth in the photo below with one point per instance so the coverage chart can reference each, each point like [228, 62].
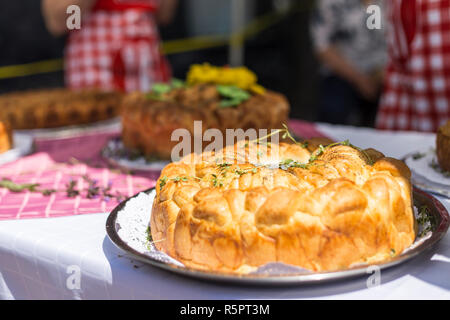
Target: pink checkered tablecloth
[76, 161]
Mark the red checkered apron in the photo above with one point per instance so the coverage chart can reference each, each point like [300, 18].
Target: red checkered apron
[117, 47]
[417, 85]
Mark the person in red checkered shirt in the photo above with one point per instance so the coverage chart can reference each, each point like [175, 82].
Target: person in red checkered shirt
[416, 92]
[117, 46]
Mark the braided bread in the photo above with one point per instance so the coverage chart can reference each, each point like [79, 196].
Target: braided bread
[52, 108]
[322, 210]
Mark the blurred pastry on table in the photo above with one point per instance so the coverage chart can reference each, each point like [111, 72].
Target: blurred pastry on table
[443, 146]
[5, 137]
[222, 98]
[51, 108]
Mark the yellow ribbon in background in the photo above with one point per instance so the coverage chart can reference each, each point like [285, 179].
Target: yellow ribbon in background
[28, 69]
[168, 47]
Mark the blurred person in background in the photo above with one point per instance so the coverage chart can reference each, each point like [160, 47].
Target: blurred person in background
[118, 44]
[25, 40]
[352, 58]
[416, 94]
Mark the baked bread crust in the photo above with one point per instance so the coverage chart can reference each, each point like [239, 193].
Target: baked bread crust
[147, 124]
[443, 146]
[5, 137]
[347, 207]
[50, 108]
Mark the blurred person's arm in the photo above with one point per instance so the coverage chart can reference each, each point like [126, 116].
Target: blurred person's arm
[55, 13]
[365, 84]
[166, 11]
[324, 25]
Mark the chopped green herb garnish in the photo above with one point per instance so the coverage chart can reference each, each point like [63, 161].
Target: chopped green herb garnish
[418, 155]
[149, 238]
[392, 252]
[17, 187]
[286, 134]
[149, 234]
[322, 149]
[240, 172]
[162, 182]
[232, 95]
[229, 103]
[425, 220]
[178, 179]
[71, 191]
[216, 182]
[286, 162]
[224, 167]
[154, 96]
[161, 88]
[434, 165]
[289, 163]
[177, 83]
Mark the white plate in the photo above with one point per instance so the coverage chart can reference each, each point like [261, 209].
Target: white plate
[22, 145]
[425, 176]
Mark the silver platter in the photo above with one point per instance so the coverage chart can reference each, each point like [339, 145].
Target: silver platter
[113, 150]
[22, 145]
[435, 208]
[103, 126]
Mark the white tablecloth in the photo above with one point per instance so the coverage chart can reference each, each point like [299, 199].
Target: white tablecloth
[72, 258]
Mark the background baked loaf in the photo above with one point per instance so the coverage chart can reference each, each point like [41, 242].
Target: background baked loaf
[57, 107]
[325, 210]
[443, 146]
[148, 123]
[5, 137]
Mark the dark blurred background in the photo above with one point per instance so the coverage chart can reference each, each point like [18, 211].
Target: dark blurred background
[25, 39]
[280, 53]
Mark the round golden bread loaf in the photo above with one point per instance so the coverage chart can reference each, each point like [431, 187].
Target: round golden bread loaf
[322, 210]
[443, 146]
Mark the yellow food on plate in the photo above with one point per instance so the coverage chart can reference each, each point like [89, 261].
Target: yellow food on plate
[322, 210]
[241, 77]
